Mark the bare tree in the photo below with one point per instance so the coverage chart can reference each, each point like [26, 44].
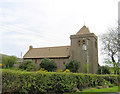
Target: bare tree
[110, 45]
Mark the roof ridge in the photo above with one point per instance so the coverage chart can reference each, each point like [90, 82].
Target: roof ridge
[57, 51]
[51, 47]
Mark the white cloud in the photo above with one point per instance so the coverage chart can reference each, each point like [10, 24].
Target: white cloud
[51, 22]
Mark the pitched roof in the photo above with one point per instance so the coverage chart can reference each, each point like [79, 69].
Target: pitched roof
[83, 30]
[48, 52]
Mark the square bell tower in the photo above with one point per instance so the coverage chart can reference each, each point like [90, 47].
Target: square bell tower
[84, 48]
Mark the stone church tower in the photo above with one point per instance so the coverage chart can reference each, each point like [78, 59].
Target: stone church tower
[84, 49]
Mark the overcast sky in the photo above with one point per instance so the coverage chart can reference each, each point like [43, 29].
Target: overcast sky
[46, 23]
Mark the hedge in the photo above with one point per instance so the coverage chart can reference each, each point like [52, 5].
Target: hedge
[59, 82]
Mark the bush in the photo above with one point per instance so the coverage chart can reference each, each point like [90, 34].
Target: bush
[59, 70]
[103, 70]
[45, 82]
[67, 70]
[73, 65]
[28, 65]
[48, 64]
[8, 61]
[42, 70]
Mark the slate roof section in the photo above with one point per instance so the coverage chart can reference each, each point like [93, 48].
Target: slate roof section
[83, 30]
[48, 52]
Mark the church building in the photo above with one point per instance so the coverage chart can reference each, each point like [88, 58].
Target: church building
[84, 48]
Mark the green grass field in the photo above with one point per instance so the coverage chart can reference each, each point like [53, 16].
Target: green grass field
[98, 91]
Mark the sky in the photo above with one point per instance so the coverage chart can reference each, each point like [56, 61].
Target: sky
[47, 23]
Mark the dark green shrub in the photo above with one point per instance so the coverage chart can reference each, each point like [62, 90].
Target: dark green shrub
[45, 82]
[111, 85]
[37, 82]
[73, 65]
[28, 65]
[8, 61]
[48, 64]
[103, 70]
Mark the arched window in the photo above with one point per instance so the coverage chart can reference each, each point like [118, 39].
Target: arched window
[83, 41]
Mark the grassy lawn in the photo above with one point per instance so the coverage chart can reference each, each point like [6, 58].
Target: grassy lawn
[112, 89]
[98, 91]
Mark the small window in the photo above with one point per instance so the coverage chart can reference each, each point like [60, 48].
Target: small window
[78, 42]
[64, 61]
[83, 41]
